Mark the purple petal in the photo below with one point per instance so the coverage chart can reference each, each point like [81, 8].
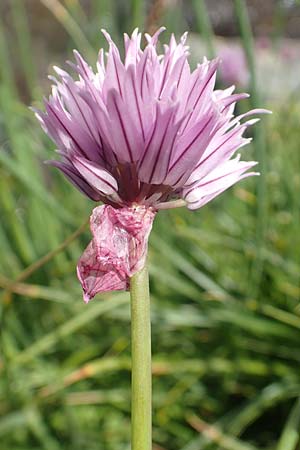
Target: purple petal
[78, 107]
[127, 139]
[152, 40]
[140, 114]
[115, 69]
[68, 131]
[217, 181]
[190, 149]
[156, 159]
[76, 179]
[132, 48]
[96, 176]
[199, 91]
[148, 73]
[220, 149]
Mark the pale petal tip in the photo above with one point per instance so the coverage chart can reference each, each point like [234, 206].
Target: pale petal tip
[184, 37]
[135, 32]
[154, 38]
[107, 36]
[86, 297]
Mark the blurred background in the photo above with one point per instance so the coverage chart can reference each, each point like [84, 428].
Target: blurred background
[224, 279]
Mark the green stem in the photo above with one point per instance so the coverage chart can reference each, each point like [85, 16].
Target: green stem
[137, 13]
[141, 408]
[204, 26]
[259, 142]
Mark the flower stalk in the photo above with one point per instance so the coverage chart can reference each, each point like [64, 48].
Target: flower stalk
[141, 407]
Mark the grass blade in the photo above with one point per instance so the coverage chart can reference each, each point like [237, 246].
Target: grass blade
[291, 432]
[259, 144]
[204, 26]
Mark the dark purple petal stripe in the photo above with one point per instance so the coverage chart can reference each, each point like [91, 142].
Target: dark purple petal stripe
[94, 173]
[66, 129]
[82, 114]
[160, 148]
[76, 179]
[129, 151]
[191, 143]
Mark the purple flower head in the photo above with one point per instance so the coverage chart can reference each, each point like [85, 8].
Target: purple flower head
[141, 135]
[233, 67]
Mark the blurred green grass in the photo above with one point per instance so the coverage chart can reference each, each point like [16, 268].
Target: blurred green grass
[224, 281]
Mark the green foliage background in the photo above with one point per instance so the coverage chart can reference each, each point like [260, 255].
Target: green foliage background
[224, 279]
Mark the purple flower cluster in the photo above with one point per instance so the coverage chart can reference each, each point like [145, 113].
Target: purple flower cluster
[147, 131]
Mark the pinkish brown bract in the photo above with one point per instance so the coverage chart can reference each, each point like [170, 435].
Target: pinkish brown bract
[142, 135]
[118, 248]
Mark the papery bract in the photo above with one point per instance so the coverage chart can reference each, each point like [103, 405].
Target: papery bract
[147, 131]
[118, 248]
